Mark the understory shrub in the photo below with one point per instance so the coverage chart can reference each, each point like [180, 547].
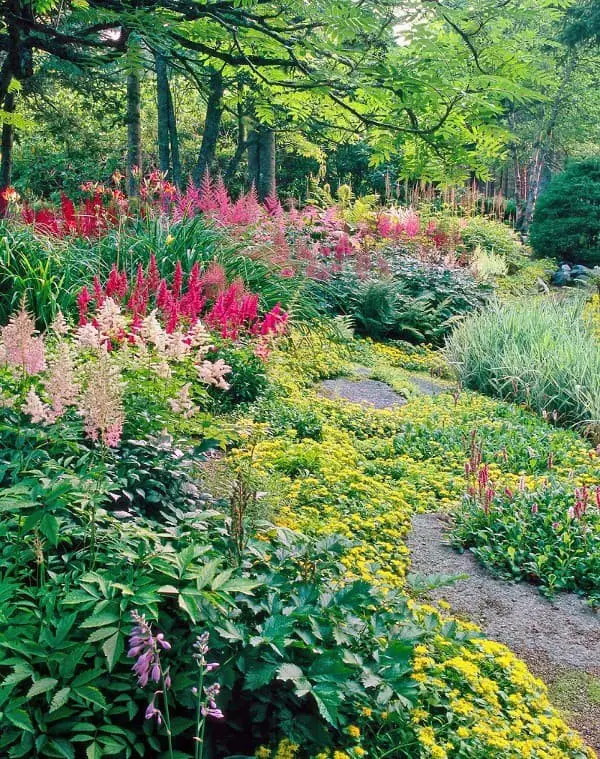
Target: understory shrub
[493, 238]
[415, 301]
[539, 352]
[566, 222]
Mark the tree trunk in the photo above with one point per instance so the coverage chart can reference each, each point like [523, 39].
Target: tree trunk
[242, 146]
[267, 163]
[174, 141]
[253, 158]
[162, 108]
[212, 124]
[7, 143]
[134, 133]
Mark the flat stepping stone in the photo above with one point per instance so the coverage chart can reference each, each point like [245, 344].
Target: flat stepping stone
[366, 392]
[428, 386]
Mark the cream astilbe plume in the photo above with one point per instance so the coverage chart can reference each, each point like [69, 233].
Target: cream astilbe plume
[34, 407]
[200, 338]
[22, 344]
[178, 346]
[60, 383]
[101, 403]
[152, 332]
[111, 322]
[59, 326]
[214, 373]
[183, 403]
[88, 336]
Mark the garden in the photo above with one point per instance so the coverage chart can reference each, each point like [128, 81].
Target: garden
[299, 417]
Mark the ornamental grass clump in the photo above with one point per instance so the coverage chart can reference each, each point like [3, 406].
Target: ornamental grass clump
[540, 352]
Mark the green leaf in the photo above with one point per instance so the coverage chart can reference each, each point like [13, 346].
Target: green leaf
[113, 648]
[19, 718]
[101, 634]
[49, 528]
[63, 747]
[94, 751]
[101, 619]
[41, 686]
[89, 693]
[59, 699]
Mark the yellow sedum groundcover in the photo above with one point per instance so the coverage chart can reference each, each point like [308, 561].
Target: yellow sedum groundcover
[476, 698]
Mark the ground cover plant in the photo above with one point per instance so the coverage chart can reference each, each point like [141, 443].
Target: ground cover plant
[176, 497]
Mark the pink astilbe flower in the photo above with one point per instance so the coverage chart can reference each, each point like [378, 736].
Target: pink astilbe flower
[83, 301]
[213, 373]
[101, 404]
[87, 336]
[23, 346]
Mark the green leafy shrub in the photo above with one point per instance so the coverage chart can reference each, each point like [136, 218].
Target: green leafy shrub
[539, 352]
[248, 378]
[550, 537]
[566, 223]
[493, 237]
[417, 302]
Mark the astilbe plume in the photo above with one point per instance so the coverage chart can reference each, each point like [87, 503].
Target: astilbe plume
[213, 373]
[100, 403]
[23, 346]
[60, 383]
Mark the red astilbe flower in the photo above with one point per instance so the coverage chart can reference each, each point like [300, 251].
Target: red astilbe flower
[83, 301]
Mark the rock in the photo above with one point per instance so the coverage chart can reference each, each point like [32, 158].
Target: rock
[561, 277]
[580, 271]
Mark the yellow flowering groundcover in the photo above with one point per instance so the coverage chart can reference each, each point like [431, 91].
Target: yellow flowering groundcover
[362, 476]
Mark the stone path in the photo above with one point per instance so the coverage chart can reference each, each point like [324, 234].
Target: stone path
[369, 392]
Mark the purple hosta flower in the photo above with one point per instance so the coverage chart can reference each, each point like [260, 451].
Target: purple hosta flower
[152, 712]
[146, 647]
[201, 646]
[534, 508]
[210, 708]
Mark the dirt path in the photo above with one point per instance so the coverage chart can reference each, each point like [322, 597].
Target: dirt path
[559, 639]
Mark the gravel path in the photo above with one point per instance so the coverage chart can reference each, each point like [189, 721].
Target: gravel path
[553, 637]
[367, 392]
[559, 639]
